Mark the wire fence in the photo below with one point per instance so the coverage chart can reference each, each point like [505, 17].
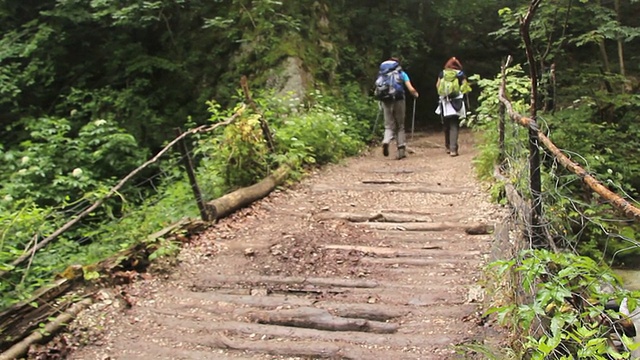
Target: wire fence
[560, 206]
[90, 230]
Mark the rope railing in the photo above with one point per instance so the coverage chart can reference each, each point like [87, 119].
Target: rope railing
[596, 186]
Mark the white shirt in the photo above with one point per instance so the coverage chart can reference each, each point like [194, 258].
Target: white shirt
[449, 110]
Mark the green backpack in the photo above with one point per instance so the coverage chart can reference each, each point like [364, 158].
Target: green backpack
[449, 84]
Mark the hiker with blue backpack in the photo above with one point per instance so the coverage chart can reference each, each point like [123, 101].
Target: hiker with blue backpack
[452, 85]
[390, 90]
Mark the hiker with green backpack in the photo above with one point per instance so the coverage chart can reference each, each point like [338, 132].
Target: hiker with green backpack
[452, 86]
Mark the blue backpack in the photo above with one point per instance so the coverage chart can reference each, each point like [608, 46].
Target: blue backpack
[389, 84]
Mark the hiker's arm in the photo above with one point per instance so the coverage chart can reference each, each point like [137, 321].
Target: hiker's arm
[411, 89]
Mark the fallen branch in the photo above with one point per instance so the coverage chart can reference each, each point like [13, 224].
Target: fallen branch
[20, 319]
[51, 328]
[378, 217]
[313, 318]
[391, 188]
[443, 263]
[114, 190]
[426, 226]
[394, 252]
[217, 281]
[304, 349]
[240, 198]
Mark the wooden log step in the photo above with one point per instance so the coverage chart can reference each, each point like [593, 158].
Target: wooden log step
[319, 319]
[152, 350]
[374, 312]
[391, 171]
[388, 252]
[213, 281]
[433, 211]
[449, 263]
[276, 332]
[391, 188]
[384, 312]
[216, 304]
[271, 301]
[366, 217]
[426, 226]
[310, 349]
[448, 235]
[433, 240]
[437, 275]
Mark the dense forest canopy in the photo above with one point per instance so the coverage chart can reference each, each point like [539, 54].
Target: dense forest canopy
[149, 65]
[90, 89]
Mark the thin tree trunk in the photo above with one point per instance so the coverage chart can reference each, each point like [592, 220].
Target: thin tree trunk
[603, 51]
[620, 45]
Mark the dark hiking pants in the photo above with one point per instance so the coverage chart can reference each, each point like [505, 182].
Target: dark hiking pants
[451, 127]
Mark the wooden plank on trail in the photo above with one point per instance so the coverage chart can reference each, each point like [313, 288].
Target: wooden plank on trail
[395, 252]
[320, 319]
[308, 349]
[391, 188]
[375, 217]
[444, 263]
[425, 226]
[218, 280]
[196, 305]
[271, 301]
[352, 337]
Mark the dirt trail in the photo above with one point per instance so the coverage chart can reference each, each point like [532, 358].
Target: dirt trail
[368, 259]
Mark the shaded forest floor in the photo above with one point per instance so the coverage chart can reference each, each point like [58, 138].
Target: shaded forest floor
[374, 258]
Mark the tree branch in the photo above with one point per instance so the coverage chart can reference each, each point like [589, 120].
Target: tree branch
[114, 190]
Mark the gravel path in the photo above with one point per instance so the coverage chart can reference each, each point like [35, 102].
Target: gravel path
[369, 259]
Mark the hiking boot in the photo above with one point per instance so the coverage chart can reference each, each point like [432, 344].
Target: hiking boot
[401, 154]
[385, 149]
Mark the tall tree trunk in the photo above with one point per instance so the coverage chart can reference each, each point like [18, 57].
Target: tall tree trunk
[605, 58]
[616, 4]
[603, 51]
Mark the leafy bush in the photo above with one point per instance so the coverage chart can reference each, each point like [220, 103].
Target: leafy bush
[304, 134]
[563, 314]
[55, 164]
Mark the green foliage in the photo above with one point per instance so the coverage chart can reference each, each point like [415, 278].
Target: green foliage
[612, 157]
[566, 317]
[485, 119]
[54, 165]
[91, 241]
[305, 134]
[327, 133]
[242, 151]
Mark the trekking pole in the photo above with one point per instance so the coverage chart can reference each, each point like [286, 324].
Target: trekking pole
[466, 97]
[413, 118]
[375, 123]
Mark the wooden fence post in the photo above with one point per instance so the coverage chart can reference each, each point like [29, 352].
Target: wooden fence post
[501, 121]
[188, 164]
[537, 232]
